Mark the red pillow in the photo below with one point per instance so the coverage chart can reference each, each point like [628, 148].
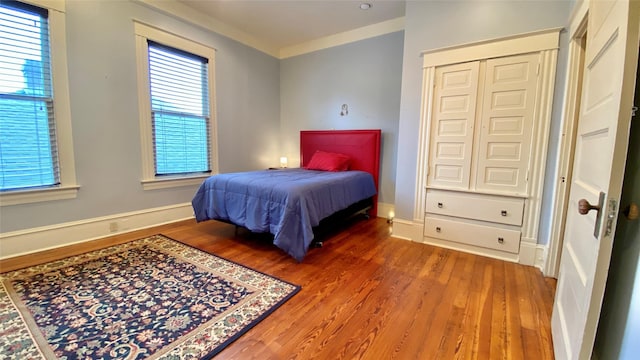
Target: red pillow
[328, 161]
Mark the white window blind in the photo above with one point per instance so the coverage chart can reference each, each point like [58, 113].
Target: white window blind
[179, 110]
[28, 151]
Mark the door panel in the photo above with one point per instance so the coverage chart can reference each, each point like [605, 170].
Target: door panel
[506, 124]
[456, 89]
[601, 145]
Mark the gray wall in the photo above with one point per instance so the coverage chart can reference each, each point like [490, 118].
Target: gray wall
[366, 76]
[104, 109]
[435, 24]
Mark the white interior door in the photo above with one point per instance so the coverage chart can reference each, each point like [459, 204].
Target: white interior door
[601, 147]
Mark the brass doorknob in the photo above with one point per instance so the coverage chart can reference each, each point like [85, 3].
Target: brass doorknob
[584, 207]
[631, 212]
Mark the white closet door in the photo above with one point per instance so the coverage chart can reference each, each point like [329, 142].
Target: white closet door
[506, 124]
[456, 90]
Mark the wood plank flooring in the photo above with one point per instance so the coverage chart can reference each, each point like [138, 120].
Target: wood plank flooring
[367, 295]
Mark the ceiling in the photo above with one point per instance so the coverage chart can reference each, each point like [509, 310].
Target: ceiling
[285, 23]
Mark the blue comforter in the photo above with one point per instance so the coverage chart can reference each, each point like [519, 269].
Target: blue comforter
[286, 203]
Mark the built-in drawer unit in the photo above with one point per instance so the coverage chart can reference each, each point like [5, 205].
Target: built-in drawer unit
[497, 209]
[491, 237]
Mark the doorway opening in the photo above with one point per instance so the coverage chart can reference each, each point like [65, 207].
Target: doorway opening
[577, 51]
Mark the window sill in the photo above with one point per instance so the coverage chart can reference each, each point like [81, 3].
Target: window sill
[170, 182]
[38, 195]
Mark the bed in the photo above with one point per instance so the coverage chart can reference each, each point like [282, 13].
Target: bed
[290, 203]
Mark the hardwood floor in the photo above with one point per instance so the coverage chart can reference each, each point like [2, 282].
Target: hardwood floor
[367, 295]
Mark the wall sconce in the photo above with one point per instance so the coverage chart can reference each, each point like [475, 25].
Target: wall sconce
[345, 110]
[283, 162]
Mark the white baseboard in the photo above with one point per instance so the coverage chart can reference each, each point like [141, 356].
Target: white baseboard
[532, 254]
[542, 251]
[28, 241]
[527, 253]
[407, 230]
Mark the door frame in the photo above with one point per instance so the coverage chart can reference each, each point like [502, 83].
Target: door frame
[572, 97]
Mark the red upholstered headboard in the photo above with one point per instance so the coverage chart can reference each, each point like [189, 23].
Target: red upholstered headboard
[363, 146]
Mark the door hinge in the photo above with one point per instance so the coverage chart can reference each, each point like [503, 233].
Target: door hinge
[612, 213]
[634, 110]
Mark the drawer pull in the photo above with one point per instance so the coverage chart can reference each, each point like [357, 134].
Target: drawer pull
[440, 205]
[500, 240]
[438, 229]
[503, 212]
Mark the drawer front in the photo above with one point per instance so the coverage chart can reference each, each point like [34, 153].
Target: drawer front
[503, 210]
[473, 234]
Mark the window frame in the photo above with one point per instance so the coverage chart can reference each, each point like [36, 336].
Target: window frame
[68, 187]
[143, 33]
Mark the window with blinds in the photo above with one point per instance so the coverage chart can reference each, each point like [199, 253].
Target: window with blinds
[28, 151]
[179, 110]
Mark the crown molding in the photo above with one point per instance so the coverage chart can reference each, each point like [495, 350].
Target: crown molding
[381, 28]
[183, 12]
[58, 5]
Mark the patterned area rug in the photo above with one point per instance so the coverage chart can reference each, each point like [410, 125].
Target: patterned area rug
[152, 298]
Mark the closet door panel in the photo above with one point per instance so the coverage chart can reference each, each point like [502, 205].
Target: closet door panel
[506, 124]
[456, 90]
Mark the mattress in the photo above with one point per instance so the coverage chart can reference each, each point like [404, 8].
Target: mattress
[286, 202]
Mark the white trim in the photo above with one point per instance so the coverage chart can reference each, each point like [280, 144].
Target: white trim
[366, 32]
[512, 45]
[175, 40]
[28, 241]
[57, 5]
[578, 18]
[532, 254]
[62, 115]
[180, 11]
[144, 32]
[38, 195]
[407, 230]
[541, 257]
[564, 159]
[62, 105]
[527, 252]
[540, 143]
[426, 110]
[164, 183]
